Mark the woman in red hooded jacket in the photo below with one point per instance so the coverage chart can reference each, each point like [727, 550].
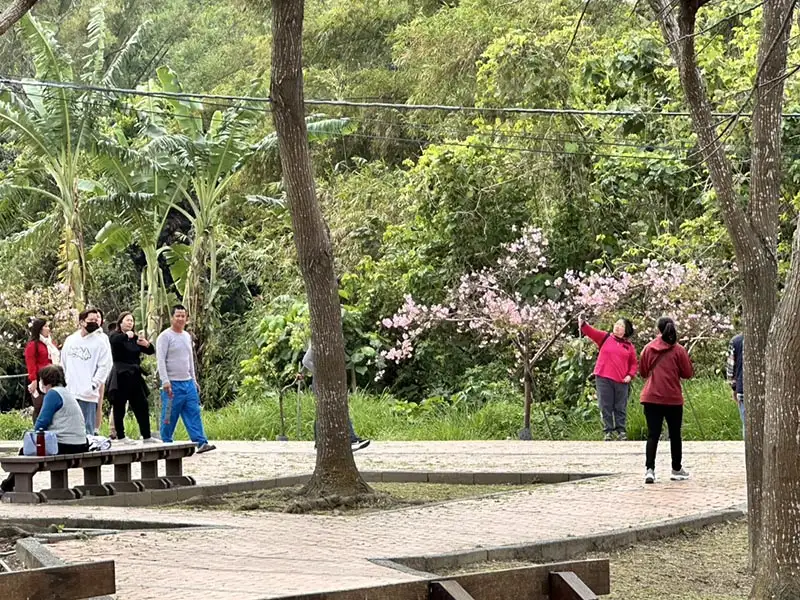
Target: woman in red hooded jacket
[664, 362]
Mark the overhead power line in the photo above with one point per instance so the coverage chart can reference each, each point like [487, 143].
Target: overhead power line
[352, 104]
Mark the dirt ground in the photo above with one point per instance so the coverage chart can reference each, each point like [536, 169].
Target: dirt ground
[389, 496]
[710, 564]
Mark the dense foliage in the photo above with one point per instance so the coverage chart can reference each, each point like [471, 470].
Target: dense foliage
[162, 198]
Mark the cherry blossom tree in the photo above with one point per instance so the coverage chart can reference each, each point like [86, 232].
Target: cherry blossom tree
[517, 303]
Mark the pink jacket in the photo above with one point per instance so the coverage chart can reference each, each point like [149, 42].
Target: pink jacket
[617, 358]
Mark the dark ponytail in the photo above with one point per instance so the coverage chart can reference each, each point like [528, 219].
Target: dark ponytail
[36, 328]
[668, 332]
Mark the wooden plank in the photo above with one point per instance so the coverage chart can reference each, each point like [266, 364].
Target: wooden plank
[71, 582]
[188, 448]
[448, 590]
[525, 583]
[533, 583]
[413, 590]
[566, 585]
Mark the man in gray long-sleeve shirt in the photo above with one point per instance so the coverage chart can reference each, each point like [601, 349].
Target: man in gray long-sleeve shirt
[179, 388]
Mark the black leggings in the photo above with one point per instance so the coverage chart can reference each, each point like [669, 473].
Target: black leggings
[8, 484]
[655, 415]
[131, 391]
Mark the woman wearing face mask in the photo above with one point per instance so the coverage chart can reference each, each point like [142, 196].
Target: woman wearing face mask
[127, 384]
[616, 366]
[39, 352]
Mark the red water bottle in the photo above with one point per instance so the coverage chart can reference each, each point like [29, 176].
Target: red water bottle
[41, 449]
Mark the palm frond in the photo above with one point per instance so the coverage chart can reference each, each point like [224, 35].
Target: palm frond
[317, 130]
[113, 237]
[52, 63]
[113, 70]
[96, 31]
[187, 112]
[38, 234]
[20, 124]
[326, 128]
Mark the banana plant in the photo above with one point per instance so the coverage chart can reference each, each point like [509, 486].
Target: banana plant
[56, 128]
[143, 184]
[216, 150]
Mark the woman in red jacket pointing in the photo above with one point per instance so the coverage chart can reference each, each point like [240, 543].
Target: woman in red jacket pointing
[616, 366]
[663, 364]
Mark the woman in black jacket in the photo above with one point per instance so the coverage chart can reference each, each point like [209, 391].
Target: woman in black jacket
[127, 383]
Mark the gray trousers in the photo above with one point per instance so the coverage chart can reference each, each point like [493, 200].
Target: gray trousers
[613, 400]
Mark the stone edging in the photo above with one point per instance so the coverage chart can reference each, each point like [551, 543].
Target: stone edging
[178, 494]
[558, 549]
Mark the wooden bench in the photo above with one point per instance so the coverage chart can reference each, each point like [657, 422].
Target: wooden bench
[25, 467]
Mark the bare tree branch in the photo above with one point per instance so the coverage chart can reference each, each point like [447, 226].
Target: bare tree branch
[14, 13]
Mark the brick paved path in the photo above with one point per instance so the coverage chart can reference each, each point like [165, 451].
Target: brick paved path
[263, 555]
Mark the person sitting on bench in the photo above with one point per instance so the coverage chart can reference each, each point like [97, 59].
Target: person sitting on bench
[60, 414]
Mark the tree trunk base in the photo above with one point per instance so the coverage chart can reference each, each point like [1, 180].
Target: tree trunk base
[525, 434]
[341, 484]
[332, 502]
[777, 587]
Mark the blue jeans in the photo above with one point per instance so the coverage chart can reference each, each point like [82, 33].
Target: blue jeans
[89, 410]
[185, 403]
[740, 402]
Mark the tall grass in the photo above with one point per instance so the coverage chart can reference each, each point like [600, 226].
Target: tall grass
[709, 414]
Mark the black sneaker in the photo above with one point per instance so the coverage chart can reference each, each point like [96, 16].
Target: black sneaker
[359, 444]
[206, 448]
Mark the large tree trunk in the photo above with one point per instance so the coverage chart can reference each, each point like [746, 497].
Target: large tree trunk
[14, 13]
[778, 561]
[335, 472]
[754, 234]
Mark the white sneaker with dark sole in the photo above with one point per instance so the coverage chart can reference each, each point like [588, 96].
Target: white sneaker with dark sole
[681, 475]
[650, 476]
[359, 445]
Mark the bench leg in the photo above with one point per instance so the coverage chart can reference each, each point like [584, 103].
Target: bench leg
[23, 482]
[22, 497]
[150, 479]
[92, 483]
[175, 474]
[122, 480]
[23, 490]
[59, 487]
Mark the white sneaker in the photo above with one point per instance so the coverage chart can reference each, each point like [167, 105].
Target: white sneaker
[152, 440]
[126, 441]
[681, 475]
[650, 476]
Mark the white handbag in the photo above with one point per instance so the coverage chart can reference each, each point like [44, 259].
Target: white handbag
[50, 443]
